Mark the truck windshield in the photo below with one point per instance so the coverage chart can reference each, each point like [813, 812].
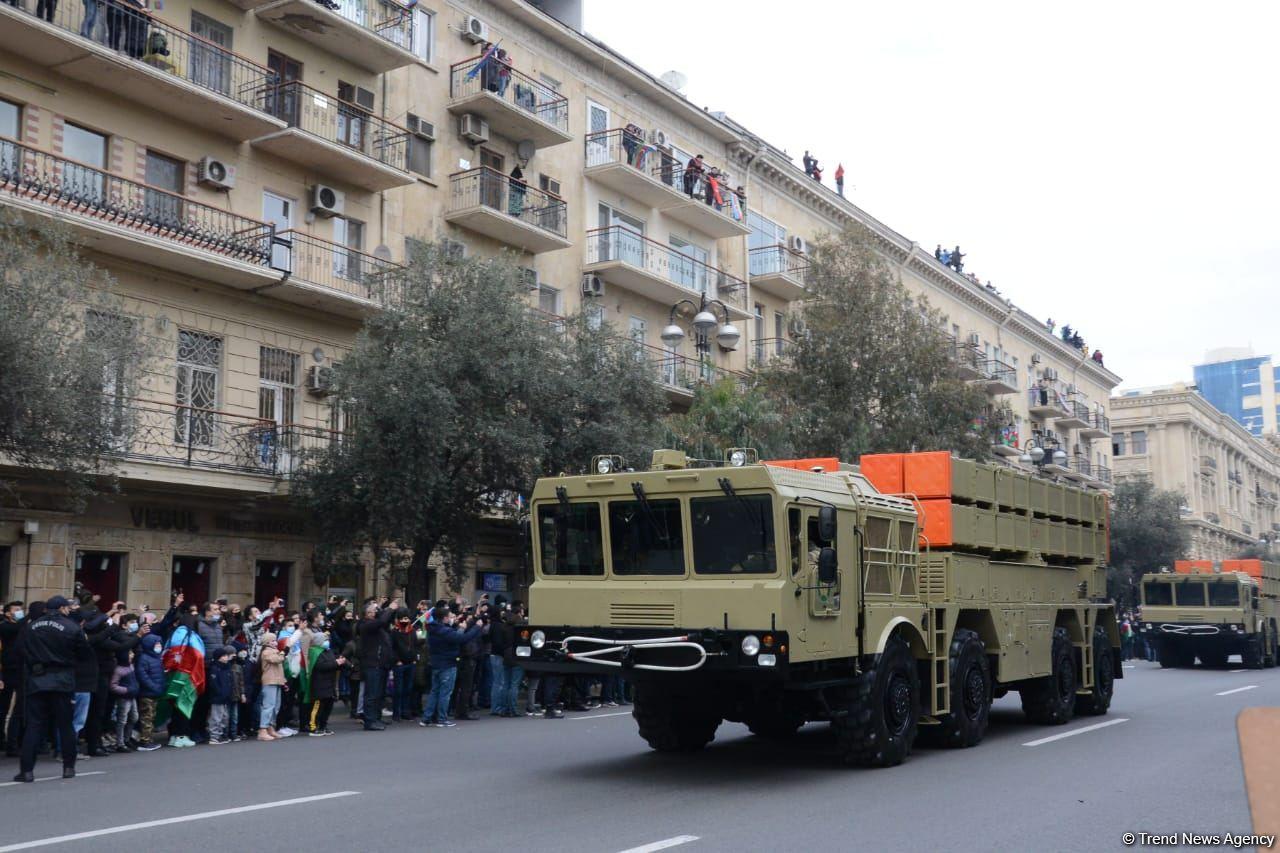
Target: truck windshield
[646, 538]
[1223, 594]
[1157, 593]
[1191, 595]
[570, 539]
[733, 535]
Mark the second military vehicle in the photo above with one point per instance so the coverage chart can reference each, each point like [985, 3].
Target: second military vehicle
[893, 599]
[1212, 612]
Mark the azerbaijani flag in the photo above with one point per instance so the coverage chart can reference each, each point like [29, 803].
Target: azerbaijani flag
[184, 662]
[304, 677]
[488, 54]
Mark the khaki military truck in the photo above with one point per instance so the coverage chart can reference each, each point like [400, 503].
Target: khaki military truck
[1211, 612]
[893, 599]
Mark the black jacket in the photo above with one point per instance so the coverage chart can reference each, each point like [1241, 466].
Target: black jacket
[106, 643]
[87, 669]
[10, 651]
[324, 676]
[405, 650]
[374, 640]
[51, 646]
[502, 637]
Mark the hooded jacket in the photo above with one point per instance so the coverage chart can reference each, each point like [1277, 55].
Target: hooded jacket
[324, 675]
[124, 683]
[271, 661]
[218, 680]
[107, 643]
[149, 667]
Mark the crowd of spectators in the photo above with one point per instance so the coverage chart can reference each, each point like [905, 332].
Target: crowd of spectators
[215, 673]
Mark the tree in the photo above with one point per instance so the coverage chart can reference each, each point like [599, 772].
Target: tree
[871, 372]
[730, 413]
[1146, 534]
[456, 393]
[70, 358]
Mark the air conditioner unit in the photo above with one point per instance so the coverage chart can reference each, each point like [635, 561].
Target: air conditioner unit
[974, 339]
[477, 31]
[212, 172]
[592, 285]
[326, 201]
[796, 243]
[797, 326]
[454, 250]
[419, 127]
[529, 278]
[473, 128]
[320, 380]
[1035, 358]
[658, 137]
[1051, 374]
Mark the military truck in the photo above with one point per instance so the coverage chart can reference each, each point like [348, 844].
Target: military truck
[1210, 612]
[893, 599]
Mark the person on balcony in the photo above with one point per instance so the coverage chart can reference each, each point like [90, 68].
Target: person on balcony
[1066, 334]
[90, 22]
[515, 197]
[713, 196]
[693, 174]
[957, 259]
[632, 139]
[503, 72]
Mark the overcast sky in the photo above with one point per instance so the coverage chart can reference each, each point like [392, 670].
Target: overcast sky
[1110, 164]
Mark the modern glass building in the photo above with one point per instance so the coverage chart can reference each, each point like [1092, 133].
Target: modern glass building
[1243, 386]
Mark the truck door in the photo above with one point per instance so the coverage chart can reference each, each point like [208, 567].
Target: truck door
[802, 524]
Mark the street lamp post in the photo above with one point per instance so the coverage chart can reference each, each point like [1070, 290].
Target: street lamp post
[704, 321]
[1032, 452]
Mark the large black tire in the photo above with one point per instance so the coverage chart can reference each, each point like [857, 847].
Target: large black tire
[1051, 699]
[673, 723]
[970, 677]
[1252, 656]
[1098, 701]
[882, 711]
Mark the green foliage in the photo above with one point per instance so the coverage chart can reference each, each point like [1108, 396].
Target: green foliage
[1147, 533]
[871, 373]
[728, 414]
[69, 359]
[457, 392]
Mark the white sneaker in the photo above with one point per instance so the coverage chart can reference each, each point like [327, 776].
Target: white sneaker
[386, 712]
[286, 732]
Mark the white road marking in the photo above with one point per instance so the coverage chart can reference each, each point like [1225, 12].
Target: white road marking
[112, 830]
[51, 778]
[1237, 670]
[1117, 721]
[674, 841]
[1237, 690]
[1129, 666]
[600, 716]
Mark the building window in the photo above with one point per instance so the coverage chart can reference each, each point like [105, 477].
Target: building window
[779, 327]
[424, 34]
[350, 234]
[764, 232]
[101, 573]
[548, 299]
[199, 358]
[90, 148]
[595, 316]
[549, 184]
[1117, 444]
[413, 247]
[419, 156]
[210, 67]
[277, 384]
[10, 120]
[1138, 442]
[354, 104]
[115, 381]
[168, 176]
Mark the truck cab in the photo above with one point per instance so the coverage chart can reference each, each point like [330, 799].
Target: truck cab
[1208, 616]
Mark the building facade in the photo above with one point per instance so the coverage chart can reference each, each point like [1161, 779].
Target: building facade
[252, 172]
[1230, 480]
[1242, 385]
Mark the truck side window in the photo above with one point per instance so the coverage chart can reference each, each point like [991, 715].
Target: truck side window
[793, 537]
[570, 539]
[1157, 593]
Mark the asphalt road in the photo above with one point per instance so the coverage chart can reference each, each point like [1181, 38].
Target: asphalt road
[588, 783]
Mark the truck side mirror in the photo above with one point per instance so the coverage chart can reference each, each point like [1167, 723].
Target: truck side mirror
[827, 523]
[827, 567]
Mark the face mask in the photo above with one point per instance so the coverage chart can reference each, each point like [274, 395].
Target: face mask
[242, 655]
[132, 627]
[157, 648]
[18, 614]
[326, 644]
[287, 632]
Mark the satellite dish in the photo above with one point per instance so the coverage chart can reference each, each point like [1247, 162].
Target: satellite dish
[382, 253]
[675, 79]
[525, 149]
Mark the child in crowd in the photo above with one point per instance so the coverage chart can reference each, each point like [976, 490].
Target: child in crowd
[148, 666]
[124, 687]
[239, 695]
[322, 683]
[218, 687]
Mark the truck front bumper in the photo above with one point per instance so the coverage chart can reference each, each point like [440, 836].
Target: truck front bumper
[634, 652]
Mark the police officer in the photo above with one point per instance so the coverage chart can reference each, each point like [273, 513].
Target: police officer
[51, 645]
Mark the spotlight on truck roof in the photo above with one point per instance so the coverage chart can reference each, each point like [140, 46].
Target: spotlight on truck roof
[739, 456]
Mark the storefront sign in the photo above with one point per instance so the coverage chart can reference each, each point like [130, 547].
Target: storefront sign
[494, 582]
[268, 525]
[164, 518]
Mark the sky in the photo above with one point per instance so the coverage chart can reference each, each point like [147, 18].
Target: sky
[1113, 165]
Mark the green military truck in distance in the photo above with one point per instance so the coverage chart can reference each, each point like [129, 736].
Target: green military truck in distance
[1213, 612]
[795, 591]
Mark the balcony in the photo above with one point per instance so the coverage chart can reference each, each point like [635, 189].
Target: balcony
[336, 139]
[1213, 518]
[1102, 477]
[175, 73]
[490, 203]
[1079, 468]
[376, 35]
[1077, 414]
[331, 277]
[514, 105]
[968, 359]
[681, 375]
[765, 350]
[779, 271]
[662, 273]
[628, 165]
[701, 211]
[999, 377]
[1208, 464]
[1099, 426]
[127, 219]
[1046, 402]
[1005, 440]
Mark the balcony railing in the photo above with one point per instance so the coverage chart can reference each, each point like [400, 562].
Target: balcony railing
[337, 121]
[133, 33]
[778, 260]
[1048, 398]
[1102, 473]
[476, 75]
[190, 437]
[1208, 463]
[619, 146]
[681, 371]
[390, 20]
[336, 267]
[765, 350]
[618, 243]
[1081, 465]
[1078, 410]
[997, 371]
[1100, 422]
[486, 187]
[78, 190]
[967, 357]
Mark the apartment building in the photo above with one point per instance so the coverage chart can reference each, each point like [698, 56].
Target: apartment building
[1230, 480]
[254, 172]
[1243, 385]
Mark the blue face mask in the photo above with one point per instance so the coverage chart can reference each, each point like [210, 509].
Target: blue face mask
[287, 632]
[326, 644]
[18, 614]
[157, 648]
[132, 627]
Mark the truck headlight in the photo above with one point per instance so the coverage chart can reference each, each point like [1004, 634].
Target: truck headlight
[750, 645]
[524, 652]
[538, 640]
[767, 660]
